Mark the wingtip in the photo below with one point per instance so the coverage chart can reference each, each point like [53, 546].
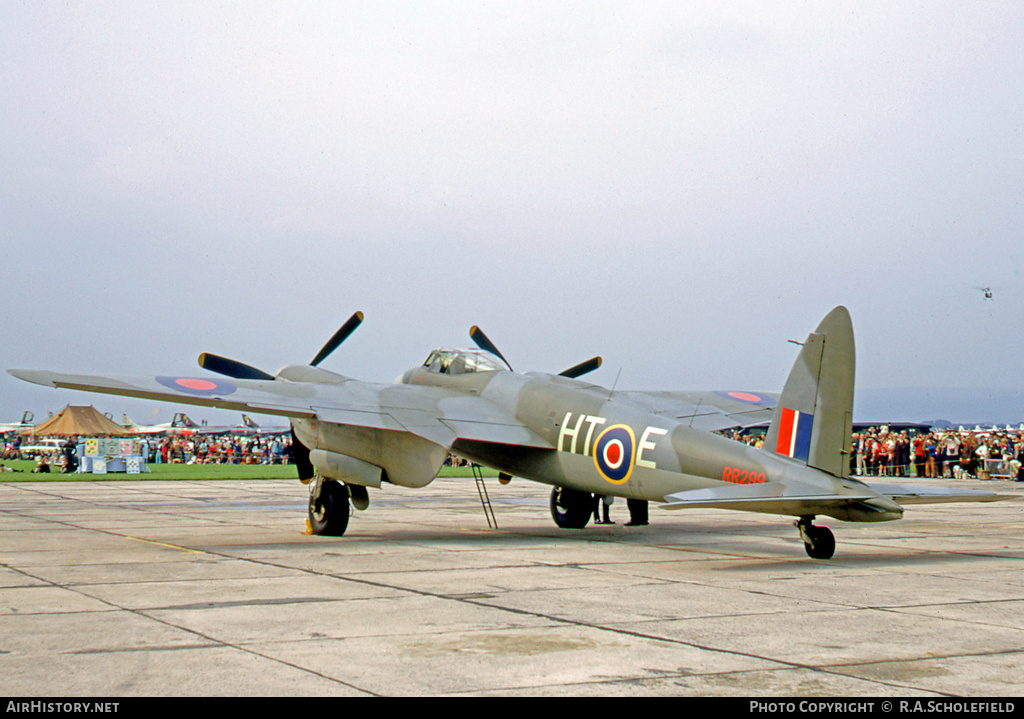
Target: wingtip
[34, 376]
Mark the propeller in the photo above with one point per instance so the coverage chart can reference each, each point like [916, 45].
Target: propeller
[582, 368]
[231, 368]
[340, 336]
[240, 370]
[484, 343]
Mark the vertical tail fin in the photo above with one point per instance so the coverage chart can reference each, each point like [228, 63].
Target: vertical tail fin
[813, 420]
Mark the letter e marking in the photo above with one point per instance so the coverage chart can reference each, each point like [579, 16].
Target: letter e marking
[645, 444]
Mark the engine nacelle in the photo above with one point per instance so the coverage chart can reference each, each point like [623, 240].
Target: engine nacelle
[369, 455]
[305, 373]
[346, 469]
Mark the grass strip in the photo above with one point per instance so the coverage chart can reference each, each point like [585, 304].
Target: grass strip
[167, 472]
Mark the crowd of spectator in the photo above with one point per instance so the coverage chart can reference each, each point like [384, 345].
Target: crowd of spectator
[960, 453]
[222, 449]
[940, 454]
[874, 452]
[192, 449]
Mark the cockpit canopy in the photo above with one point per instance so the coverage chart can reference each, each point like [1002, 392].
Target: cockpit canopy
[451, 361]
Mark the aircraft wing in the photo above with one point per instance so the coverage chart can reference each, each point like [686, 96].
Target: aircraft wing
[710, 410]
[434, 413]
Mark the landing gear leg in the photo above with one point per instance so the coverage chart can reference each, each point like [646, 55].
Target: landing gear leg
[818, 541]
[328, 507]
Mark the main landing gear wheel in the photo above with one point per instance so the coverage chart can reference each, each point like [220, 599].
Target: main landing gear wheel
[328, 507]
[571, 508]
[818, 541]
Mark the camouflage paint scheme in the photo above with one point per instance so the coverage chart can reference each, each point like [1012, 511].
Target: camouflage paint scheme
[581, 438]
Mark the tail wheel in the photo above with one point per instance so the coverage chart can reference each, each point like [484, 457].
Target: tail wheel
[571, 508]
[328, 509]
[819, 542]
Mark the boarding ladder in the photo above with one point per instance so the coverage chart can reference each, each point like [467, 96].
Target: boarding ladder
[485, 500]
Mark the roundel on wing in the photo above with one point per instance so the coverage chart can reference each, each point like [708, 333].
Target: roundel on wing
[615, 452]
[748, 397]
[198, 386]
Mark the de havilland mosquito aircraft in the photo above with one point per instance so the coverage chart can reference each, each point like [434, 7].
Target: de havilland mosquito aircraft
[580, 438]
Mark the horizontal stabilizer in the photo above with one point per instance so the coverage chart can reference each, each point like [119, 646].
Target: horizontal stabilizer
[849, 500]
[913, 494]
[771, 497]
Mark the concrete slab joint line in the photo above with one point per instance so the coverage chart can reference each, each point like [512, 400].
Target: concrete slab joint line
[416, 600]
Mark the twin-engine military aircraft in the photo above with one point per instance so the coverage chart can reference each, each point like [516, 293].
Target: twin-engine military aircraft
[560, 430]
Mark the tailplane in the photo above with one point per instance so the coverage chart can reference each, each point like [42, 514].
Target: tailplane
[813, 420]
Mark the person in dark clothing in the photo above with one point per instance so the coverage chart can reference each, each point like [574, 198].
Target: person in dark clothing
[70, 458]
[602, 501]
[637, 512]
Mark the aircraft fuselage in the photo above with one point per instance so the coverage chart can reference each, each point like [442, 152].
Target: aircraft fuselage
[592, 440]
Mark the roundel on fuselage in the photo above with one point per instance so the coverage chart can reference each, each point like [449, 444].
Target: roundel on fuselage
[615, 452]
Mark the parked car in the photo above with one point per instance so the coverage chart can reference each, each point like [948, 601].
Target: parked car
[43, 446]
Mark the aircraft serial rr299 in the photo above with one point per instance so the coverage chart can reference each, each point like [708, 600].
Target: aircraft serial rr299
[560, 430]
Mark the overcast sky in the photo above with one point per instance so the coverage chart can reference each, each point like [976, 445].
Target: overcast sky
[678, 187]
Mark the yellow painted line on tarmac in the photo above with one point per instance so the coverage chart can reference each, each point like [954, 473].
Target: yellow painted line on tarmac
[164, 544]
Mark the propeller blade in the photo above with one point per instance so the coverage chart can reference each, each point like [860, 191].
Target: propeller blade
[582, 368]
[231, 368]
[340, 336]
[485, 344]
